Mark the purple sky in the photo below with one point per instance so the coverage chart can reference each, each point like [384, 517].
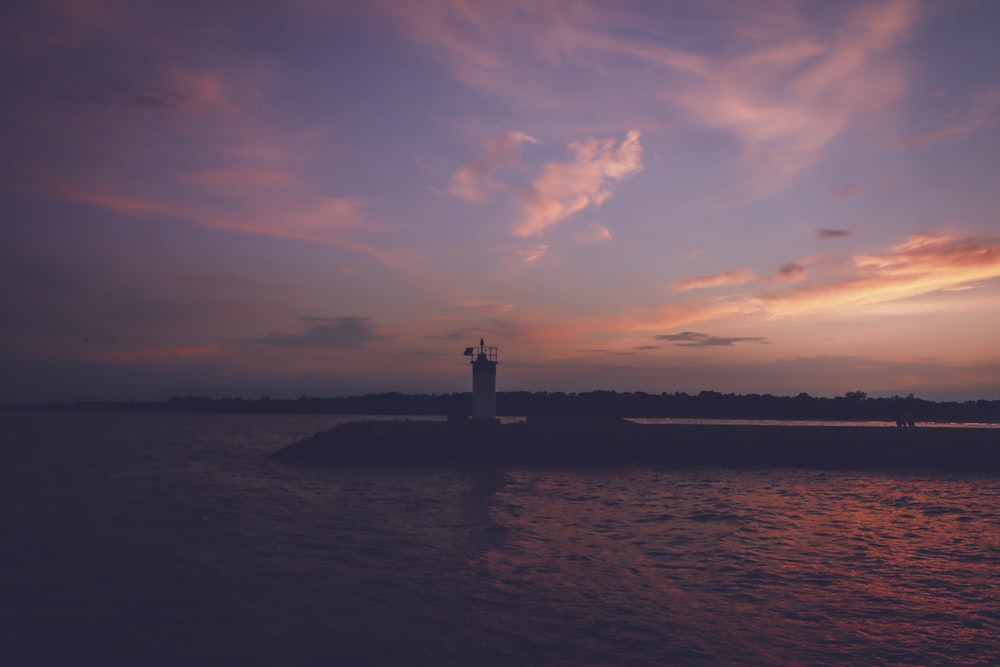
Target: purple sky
[327, 198]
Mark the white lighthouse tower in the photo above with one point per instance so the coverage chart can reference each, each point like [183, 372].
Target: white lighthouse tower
[484, 381]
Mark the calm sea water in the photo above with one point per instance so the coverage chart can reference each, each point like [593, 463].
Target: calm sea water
[172, 539]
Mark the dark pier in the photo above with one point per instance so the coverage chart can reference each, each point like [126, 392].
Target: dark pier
[576, 442]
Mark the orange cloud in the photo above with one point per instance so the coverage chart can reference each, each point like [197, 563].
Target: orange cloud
[563, 189]
[923, 264]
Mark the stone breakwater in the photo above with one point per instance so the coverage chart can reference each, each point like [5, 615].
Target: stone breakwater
[573, 442]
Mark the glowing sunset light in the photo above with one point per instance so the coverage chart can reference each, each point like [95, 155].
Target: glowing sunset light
[323, 200]
[921, 265]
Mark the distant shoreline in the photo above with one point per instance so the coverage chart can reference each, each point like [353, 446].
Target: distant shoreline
[854, 406]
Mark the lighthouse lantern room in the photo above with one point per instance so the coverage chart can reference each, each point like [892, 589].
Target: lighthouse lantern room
[484, 380]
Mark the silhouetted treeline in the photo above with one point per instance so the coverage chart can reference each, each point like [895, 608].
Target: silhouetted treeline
[855, 405]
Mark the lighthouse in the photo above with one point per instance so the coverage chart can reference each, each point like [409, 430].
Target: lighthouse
[484, 381]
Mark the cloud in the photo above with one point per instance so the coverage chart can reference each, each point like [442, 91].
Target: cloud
[308, 217]
[491, 307]
[725, 279]
[845, 190]
[922, 264]
[695, 339]
[239, 180]
[984, 114]
[830, 234]
[198, 91]
[788, 100]
[173, 89]
[785, 85]
[345, 333]
[789, 272]
[563, 189]
[532, 255]
[476, 181]
[594, 233]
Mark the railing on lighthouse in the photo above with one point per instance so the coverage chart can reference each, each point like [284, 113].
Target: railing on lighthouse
[484, 380]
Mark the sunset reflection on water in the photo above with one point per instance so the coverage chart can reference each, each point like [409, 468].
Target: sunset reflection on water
[782, 567]
[176, 540]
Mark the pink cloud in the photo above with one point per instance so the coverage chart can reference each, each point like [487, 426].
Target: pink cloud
[477, 181]
[725, 279]
[785, 87]
[491, 307]
[197, 91]
[789, 101]
[563, 189]
[315, 218]
[242, 179]
[533, 254]
[922, 264]
[984, 114]
[594, 233]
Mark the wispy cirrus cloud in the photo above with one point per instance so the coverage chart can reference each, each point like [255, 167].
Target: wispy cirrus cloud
[209, 162]
[565, 188]
[490, 307]
[790, 98]
[832, 234]
[318, 219]
[983, 114]
[786, 86]
[724, 279]
[241, 179]
[534, 253]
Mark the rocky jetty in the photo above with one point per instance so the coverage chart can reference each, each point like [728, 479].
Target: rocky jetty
[576, 442]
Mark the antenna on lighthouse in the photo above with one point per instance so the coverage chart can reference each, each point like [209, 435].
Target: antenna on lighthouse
[484, 380]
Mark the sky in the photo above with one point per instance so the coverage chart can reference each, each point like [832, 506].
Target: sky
[322, 198]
